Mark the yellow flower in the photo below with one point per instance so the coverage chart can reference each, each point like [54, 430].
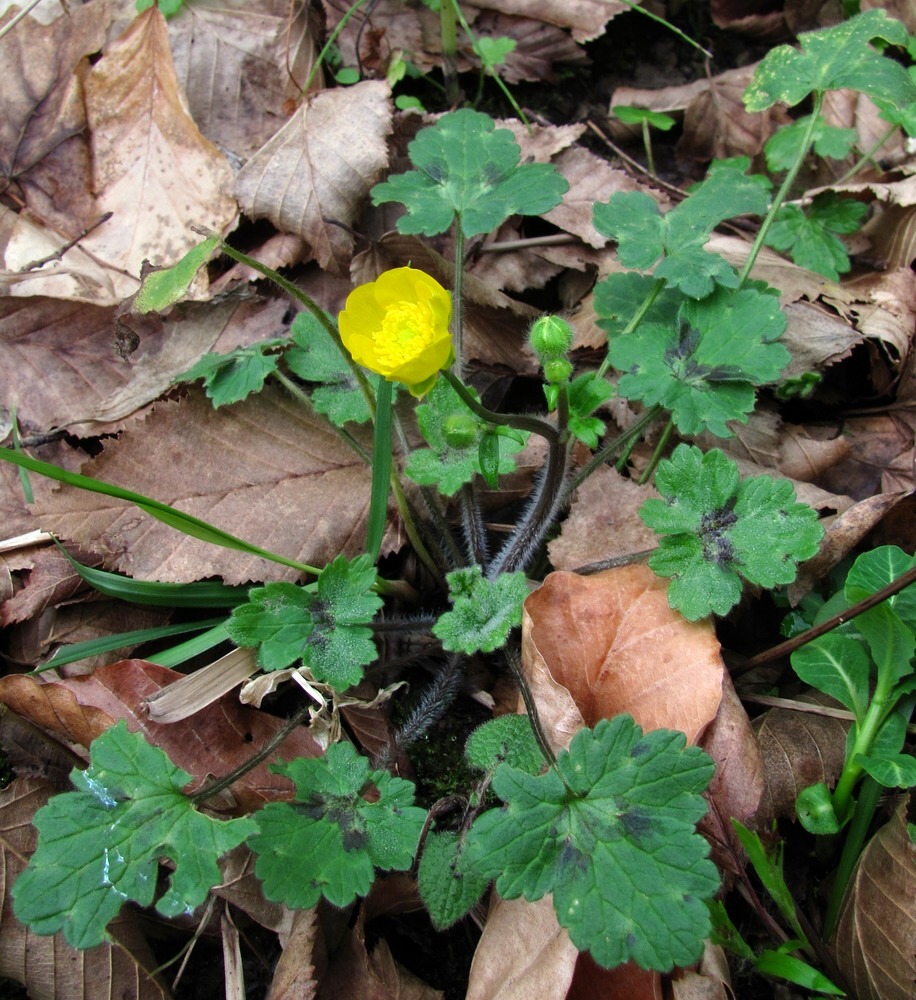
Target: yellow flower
[398, 326]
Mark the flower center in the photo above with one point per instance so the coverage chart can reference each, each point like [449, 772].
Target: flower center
[407, 330]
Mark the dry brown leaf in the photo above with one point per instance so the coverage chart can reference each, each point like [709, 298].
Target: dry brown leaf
[626, 982]
[749, 17]
[892, 235]
[804, 456]
[590, 179]
[265, 470]
[602, 522]
[882, 456]
[585, 19]
[242, 66]
[313, 177]
[538, 46]
[614, 642]
[875, 944]
[799, 749]
[841, 536]
[47, 579]
[43, 148]
[294, 975]
[522, 953]
[152, 169]
[885, 307]
[223, 735]
[739, 782]
[48, 966]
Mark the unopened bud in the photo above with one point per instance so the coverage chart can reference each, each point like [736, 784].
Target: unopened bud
[557, 370]
[550, 337]
[460, 430]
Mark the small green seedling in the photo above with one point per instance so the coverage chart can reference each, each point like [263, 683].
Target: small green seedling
[644, 118]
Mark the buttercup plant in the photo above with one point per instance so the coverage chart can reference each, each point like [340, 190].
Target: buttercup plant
[608, 825]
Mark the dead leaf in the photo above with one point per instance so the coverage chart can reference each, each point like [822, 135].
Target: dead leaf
[294, 975]
[538, 47]
[746, 17]
[223, 735]
[585, 19]
[47, 966]
[591, 179]
[140, 128]
[242, 66]
[313, 177]
[799, 749]
[614, 642]
[739, 782]
[841, 536]
[603, 522]
[522, 953]
[711, 981]
[875, 943]
[626, 982]
[265, 469]
[803, 456]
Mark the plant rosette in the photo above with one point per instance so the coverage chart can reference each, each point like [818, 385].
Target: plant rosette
[398, 327]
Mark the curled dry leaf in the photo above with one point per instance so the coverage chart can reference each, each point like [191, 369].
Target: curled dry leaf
[626, 980]
[313, 177]
[875, 944]
[522, 953]
[799, 749]
[294, 975]
[223, 736]
[47, 966]
[612, 640]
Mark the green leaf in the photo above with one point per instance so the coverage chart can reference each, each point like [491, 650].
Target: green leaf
[455, 435]
[876, 569]
[468, 169]
[316, 358]
[809, 237]
[508, 739]
[719, 529]
[636, 116]
[704, 368]
[620, 296]
[839, 666]
[99, 847]
[483, 611]
[794, 970]
[815, 810]
[169, 8]
[891, 643]
[493, 51]
[161, 289]
[585, 394]
[344, 822]
[230, 378]
[769, 868]
[643, 234]
[833, 59]
[784, 147]
[323, 625]
[611, 833]
[897, 771]
[447, 890]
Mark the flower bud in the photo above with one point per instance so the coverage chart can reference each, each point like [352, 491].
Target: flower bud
[550, 337]
[557, 370]
[460, 430]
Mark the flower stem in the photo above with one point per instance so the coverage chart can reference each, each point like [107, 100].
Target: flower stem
[458, 294]
[657, 454]
[783, 191]
[613, 446]
[381, 470]
[517, 420]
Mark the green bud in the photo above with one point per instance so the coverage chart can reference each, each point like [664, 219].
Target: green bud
[550, 338]
[461, 430]
[557, 370]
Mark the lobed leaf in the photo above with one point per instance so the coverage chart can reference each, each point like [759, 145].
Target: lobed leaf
[719, 529]
[483, 611]
[100, 846]
[508, 739]
[343, 822]
[833, 59]
[468, 169]
[809, 237]
[704, 368]
[323, 625]
[611, 833]
[230, 378]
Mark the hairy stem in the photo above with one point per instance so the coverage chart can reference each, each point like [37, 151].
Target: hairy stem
[519, 421]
